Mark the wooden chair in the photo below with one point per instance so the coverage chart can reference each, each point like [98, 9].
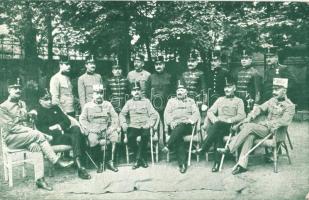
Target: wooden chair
[275, 140]
[17, 157]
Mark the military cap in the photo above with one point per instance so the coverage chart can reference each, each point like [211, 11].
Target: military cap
[271, 51]
[215, 55]
[44, 94]
[280, 82]
[116, 66]
[14, 82]
[181, 85]
[193, 56]
[136, 85]
[140, 57]
[229, 80]
[246, 54]
[64, 59]
[97, 88]
[159, 59]
[89, 59]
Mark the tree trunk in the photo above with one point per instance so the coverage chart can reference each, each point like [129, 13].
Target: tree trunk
[50, 43]
[29, 35]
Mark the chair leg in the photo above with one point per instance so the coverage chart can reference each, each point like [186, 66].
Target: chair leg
[127, 154]
[207, 156]
[167, 157]
[157, 152]
[287, 152]
[197, 155]
[24, 166]
[275, 159]
[6, 175]
[10, 173]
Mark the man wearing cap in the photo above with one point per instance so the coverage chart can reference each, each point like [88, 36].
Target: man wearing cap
[117, 88]
[17, 134]
[280, 111]
[276, 70]
[248, 82]
[180, 114]
[140, 75]
[194, 79]
[141, 118]
[161, 86]
[222, 114]
[215, 78]
[101, 125]
[52, 121]
[87, 80]
[61, 87]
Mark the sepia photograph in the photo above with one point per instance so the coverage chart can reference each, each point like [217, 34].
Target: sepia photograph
[154, 100]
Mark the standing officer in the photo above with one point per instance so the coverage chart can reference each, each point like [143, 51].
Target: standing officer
[101, 125]
[248, 82]
[215, 78]
[140, 75]
[194, 79]
[87, 80]
[117, 88]
[141, 118]
[222, 114]
[61, 88]
[276, 70]
[17, 133]
[161, 86]
[52, 121]
[280, 111]
[180, 114]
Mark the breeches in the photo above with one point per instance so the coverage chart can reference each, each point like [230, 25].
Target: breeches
[139, 148]
[109, 136]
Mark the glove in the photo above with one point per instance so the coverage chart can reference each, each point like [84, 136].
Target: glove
[125, 139]
[173, 124]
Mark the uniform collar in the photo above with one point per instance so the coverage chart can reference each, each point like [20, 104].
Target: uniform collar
[15, 101]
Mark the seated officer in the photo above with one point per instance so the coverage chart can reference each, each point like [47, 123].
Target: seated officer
[100, 122]
[18, 135]
[142, 116]
[180, 114]
[51, 120]
[280, 111]
[222, 114]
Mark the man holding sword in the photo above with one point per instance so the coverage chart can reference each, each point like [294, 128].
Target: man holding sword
[280, 111]
[100, 122]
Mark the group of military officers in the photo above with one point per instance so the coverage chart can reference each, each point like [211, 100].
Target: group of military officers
[107, 113]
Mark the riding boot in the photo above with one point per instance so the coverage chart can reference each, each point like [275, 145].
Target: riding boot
[49, 152]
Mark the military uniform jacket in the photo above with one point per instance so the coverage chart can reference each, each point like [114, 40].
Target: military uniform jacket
[180, 111]
[85, 84]
[142, 77]
[227, 108]
[140, 114]
[194, 81]
[216, 80]
[13, 117]
[117, 90]
[161, 89]
[62, 92]
[278, 71]
[279, 113]
[51, 116]
[248, 82]
[98, 117]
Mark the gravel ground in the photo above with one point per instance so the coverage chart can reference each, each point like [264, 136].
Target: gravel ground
[292, 181]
